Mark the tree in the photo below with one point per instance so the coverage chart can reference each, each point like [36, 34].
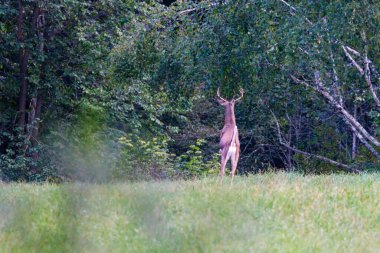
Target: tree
[54, 51]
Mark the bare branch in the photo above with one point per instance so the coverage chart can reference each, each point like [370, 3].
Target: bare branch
[349, 56]
[363, 140]
[287, 4]
[354, 136]
[367, 71]
[187, 11]
[277, 126]
[353, 51]
[322, 158]
[337, 91]
[318, 157]
[369, 67]
[295, 10]
[304, 51]
[338, 106]
[201, 8]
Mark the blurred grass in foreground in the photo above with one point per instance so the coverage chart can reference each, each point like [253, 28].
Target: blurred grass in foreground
[261, 213]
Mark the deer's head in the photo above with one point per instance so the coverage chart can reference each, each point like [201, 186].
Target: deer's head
[229, 104]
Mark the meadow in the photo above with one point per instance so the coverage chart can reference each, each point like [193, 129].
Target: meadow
[275, 212]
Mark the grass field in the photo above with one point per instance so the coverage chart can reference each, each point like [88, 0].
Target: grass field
[262, 213]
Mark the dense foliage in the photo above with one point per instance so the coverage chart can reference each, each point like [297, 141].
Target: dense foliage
[123, 89]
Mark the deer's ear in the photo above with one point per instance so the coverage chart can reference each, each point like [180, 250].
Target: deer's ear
[221, 102]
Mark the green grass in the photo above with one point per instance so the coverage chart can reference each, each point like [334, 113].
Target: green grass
[263, 213]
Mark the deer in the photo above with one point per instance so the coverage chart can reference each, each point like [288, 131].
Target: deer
[229, 137]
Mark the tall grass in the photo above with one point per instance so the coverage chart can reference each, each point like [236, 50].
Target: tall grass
[262, 213]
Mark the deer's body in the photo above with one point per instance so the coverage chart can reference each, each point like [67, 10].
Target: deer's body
[229, 137]
[229, 147]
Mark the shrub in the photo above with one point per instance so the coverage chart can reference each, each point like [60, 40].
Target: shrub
[195, 163]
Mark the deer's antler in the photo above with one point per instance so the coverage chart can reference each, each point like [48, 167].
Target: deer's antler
[241, 95]
[218, 95]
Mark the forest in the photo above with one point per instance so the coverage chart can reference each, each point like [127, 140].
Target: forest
[118, 116]
[125, 90]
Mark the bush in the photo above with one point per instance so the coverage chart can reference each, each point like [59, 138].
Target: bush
[142, 159]
[20, 164]
[194, 163]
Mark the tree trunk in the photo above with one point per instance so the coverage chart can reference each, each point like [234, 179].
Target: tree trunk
[37, 120]
[24, 54]
[23, 62]
[354, 147]
[289, 153]
[40, 23]
[36, 126]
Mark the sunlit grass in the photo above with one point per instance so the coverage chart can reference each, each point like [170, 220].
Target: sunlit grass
[262, 213]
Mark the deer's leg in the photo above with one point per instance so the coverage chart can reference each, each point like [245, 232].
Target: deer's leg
[223, 166]
[234, 161]
[223, 162]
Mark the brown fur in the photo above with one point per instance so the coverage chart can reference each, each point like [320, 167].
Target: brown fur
[227, 138]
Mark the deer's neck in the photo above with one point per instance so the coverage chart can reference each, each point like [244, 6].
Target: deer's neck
[229, 119]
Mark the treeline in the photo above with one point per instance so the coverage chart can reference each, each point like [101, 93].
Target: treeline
[125, 90]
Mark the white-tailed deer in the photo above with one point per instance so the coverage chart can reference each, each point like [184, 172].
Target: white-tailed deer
[229, 137]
